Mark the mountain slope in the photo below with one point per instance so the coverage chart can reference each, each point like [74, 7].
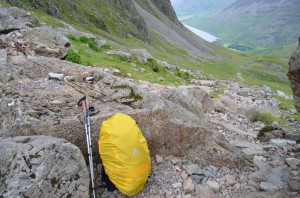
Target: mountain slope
[264, 23]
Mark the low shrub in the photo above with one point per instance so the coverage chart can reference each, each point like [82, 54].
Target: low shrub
[153, 64]
[72, 37]
[72, 56]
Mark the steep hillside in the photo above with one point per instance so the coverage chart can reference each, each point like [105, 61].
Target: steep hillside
[267, 23]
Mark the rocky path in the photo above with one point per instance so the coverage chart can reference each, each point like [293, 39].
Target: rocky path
[275, 171]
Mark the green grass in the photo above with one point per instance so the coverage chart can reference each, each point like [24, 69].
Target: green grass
[266, 118]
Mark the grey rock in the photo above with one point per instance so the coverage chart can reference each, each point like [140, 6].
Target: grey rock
[3, 56]
[296, 148]
[294, 77]
[282, 142]
[265, 195]
[248, 148]
[167, 65]
[193, 169]
[213, 185]
[203, 191]
[207, 83]
[74, 32]
[265, 186]
[14, 19]
[292, 162]
[194, 99]
[100, 42]
[268, 147]
[294, 186]
[41, 166]
[55, 76]
[197, 178]
[141, 53]
[126, 55]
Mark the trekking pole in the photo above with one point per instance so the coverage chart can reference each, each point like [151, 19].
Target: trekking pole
[86, 111]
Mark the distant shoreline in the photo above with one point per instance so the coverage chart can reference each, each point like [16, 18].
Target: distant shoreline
[204, 35]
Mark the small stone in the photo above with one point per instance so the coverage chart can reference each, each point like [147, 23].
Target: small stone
[188, 186]
[266, 186]
[255, 177]
[230, 180]
[268, 147]
[161, 79]
[55, 76]
[292, 162]
[129, 75]
[69, 78]
[159, 159]
[213, 185]
[294, 173]
[188, 196]
[296, 148]
[277, 163]
[197, 178]
[177, 185]
[176, 161]
[294, 186]
[203, 192]
[184, 175]
[193, 169]
[89, 79]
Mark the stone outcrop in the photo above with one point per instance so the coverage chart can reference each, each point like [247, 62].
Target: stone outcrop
[36, 105]
[14, 19]
[294, 77]
[41, 166]
[42, 41]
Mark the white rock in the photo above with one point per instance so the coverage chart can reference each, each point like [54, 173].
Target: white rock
[55, 76]
[177, 185]
[159, 159]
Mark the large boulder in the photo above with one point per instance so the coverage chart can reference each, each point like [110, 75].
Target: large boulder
[294, 76]
[42, 41]
[36, 105]
[41, 166]
[14, 19]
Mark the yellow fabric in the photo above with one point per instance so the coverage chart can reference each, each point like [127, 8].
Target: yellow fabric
[124, 153]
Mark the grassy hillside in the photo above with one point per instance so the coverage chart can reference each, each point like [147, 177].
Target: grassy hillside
[252, 23]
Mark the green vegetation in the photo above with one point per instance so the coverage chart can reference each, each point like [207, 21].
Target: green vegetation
[153, 64]
[72, 56]
[266, 118]
[54, 181]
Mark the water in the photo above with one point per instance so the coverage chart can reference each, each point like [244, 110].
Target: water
[206, 36]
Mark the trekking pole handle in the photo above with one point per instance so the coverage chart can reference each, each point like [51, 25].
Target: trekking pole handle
[84, 108]
[87, 102]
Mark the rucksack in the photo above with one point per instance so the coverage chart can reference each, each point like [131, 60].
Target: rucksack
[124, 153]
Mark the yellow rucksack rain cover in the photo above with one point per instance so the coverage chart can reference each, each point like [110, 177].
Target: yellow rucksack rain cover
[124, 153]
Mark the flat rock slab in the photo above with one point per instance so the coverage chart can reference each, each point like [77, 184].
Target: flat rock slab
[248, 148]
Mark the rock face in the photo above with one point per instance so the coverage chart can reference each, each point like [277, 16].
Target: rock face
[41, 166]
[294, 77]
[42, 41]
[15, 19]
